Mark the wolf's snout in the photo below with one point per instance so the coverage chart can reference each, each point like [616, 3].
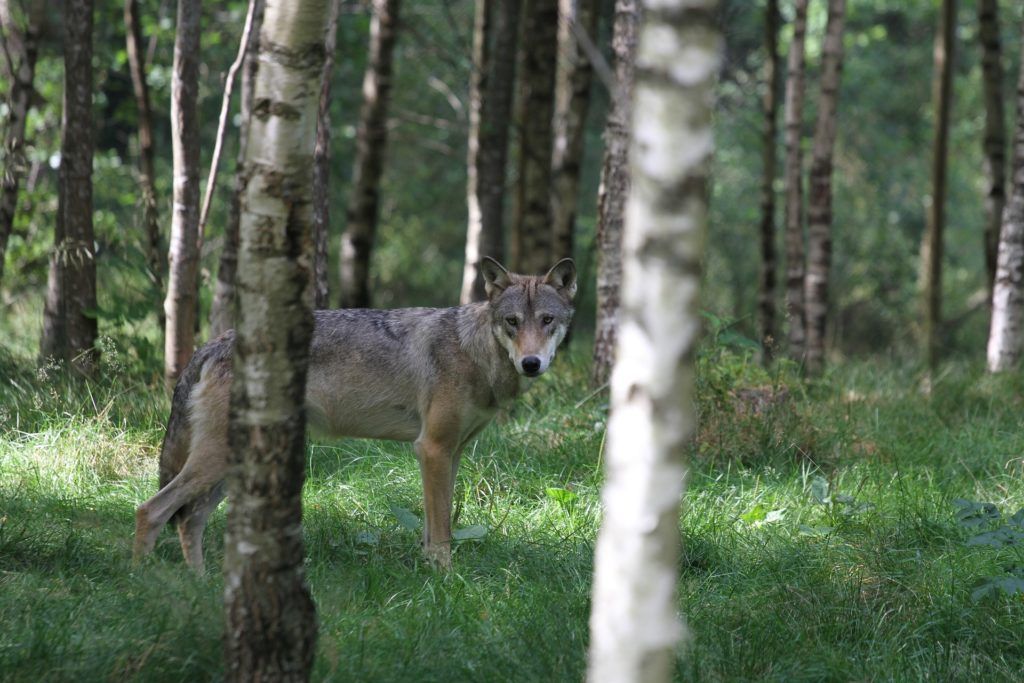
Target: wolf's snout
[531, 365]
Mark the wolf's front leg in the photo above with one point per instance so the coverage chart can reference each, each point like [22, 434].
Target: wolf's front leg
[437, 468]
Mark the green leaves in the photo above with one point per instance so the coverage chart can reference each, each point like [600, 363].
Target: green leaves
[409, 520]
[405, 517]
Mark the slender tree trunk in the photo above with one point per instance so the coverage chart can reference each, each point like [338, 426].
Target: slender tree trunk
[614, 190]
[183, 256]
[531, 231]
[270, 617]
[322, 167]
[490, 108]
[931, 247]
[634, 622]
[1006, 336]
[819, 207]
[371, 139]
[222, 307]
[22, 47]
[572, 100]
[770, 106]
[995, 129]
[147, 176]
[69, 320]
[794, 184]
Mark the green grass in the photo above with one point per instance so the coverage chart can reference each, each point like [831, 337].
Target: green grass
[875, 585]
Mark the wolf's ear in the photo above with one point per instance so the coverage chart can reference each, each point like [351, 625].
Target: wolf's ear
[496, 278]
[562, 277]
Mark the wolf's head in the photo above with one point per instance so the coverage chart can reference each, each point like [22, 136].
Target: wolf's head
[530, 314]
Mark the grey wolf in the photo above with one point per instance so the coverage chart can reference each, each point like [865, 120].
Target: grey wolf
[432, 376]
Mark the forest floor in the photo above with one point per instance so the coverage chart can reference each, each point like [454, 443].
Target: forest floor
[833, 531]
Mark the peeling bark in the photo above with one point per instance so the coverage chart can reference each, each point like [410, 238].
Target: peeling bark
[770, 107]
[613, 191]
[995, 129]
[634, 623]
[322, 167]
[794, 184]
[269, 614]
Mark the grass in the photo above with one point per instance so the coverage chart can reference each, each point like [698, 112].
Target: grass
[821, 536]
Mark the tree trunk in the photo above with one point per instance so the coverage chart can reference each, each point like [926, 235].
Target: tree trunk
[222, 308]
[995, 129]
[794, 185]
[634, 622]
[183, 256]
[531, 230]
[1006, 336]
[322, 167]
[572, 99]
[613, 191]
[931, 247]
[371, 139]
[270, 617]
[819, 206]
[147, 176]
[69, 319]
[23, 48]
[490, 107]
[770, 106]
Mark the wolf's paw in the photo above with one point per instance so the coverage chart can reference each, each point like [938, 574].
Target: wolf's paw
[439, 555]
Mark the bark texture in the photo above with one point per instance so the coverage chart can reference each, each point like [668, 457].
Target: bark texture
[572, 100]
[770, 107]
[634, 622]
[794, 184]
[22, 34]
[270, 617]
[995, 129]
[932, 246]
[495, 30]
[613, 191]
[322, 166]
[147, 176]
[183, 254]
[371, 139]
[819, 206]
[222, 308]
[69, 319]
[531, 229]
[1006, 336]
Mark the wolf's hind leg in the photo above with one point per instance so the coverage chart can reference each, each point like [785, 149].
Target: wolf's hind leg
[192, 522]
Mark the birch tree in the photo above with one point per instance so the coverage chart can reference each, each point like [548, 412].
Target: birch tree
[819, 207]
[22, 44]
[69, 319]
[613, 191]
[770, 108]
[1006, 335]
[371, 138]
[183, 255]
[270, 616]
[794, 183]
[634, 623]
[995, 129]
[495, 27]
[322, 166]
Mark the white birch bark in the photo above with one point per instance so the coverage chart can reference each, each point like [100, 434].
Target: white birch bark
[635, 626]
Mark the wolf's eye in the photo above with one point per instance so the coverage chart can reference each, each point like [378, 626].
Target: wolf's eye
[548, 319]
[512, 321]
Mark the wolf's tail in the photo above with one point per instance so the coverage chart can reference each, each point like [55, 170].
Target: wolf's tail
[174, 451]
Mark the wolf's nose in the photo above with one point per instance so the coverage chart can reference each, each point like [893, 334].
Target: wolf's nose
[531, 365]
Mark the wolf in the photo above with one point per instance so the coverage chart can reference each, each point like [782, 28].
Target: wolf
[432, 376]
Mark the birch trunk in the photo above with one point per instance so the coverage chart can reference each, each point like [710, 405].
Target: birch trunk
[69, 319]
[490, 109]
[371, 139]
[1006, 336]
[183, 256]
[572, 100]
[794, 184]
[995, 129]
[770, 107]
[634, 623]
[819, 208]
[322, 167]
[931, 246]
[531, 231]
[270, 617]
[222, 308]
[613, 191]
[23, 47]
